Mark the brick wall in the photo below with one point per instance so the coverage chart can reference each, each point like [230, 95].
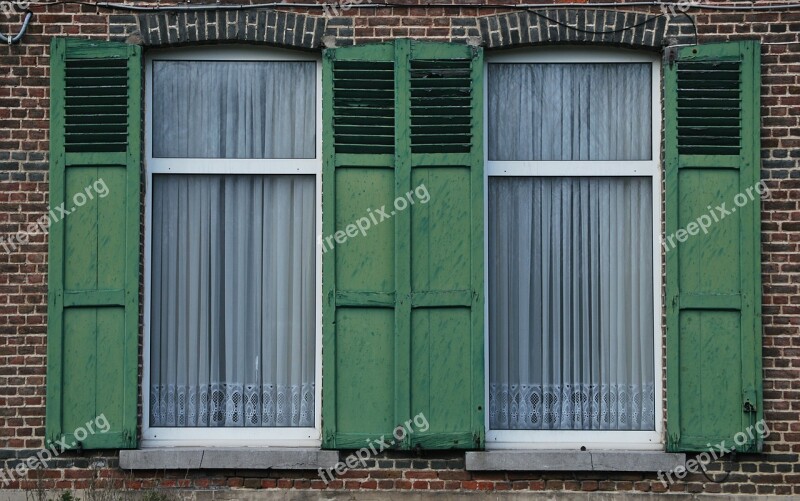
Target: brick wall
[24, 105]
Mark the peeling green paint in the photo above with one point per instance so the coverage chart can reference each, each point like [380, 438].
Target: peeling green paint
[714, 318]
[93, 284]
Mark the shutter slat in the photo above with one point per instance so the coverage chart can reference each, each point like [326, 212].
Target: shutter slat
[344, 122]
[457, 112]
[357, 112]
[719, 92]
[88, 128]
[722, 115]
[363, 84]
[436, 129]
[362, 139]
[383, 98]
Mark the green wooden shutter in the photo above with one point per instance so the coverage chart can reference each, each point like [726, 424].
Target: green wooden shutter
[93, 284]
[713, 280]
[403, 315]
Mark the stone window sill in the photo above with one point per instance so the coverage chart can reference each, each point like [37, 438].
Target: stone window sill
[220, 458]
[544, 460]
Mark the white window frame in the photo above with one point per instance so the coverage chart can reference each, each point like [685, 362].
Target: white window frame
[233, 436]
[575, 439]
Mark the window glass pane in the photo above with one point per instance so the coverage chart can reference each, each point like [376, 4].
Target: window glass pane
[233, 310]
[571, 303]
[234, 109]
[569, 111]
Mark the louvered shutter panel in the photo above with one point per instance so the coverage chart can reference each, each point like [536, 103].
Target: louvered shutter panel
[96, 111]
[93, 283]
[363, 107]
[709, 108]
[713, 280]
[441, 105]
[403, 312]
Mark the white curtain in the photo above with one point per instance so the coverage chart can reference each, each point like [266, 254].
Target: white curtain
[234, 109]
[570, 259]
[571, 303]
[233, 301]
[569, 111]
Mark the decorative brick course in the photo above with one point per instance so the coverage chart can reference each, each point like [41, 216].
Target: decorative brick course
[583, 26]
[303, 31]
[262, 26]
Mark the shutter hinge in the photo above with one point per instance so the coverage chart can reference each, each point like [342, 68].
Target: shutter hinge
[673, 442]
[671, 54]
[749, 400]
[478, 437]
[398, 443]
[328, 439]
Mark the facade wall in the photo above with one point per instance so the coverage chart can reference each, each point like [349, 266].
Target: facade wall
[24, 114]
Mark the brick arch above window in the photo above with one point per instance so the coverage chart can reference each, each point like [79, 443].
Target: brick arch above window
[264, 26]
[637, 30]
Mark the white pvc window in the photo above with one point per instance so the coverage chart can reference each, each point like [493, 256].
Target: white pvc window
[233, 109]
[232, 352]
[573, 273]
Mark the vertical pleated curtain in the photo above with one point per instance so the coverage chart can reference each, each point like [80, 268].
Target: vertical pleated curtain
[569, 111]
[233, 301]
[570, 258]
[234, 109]
[233, 295]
